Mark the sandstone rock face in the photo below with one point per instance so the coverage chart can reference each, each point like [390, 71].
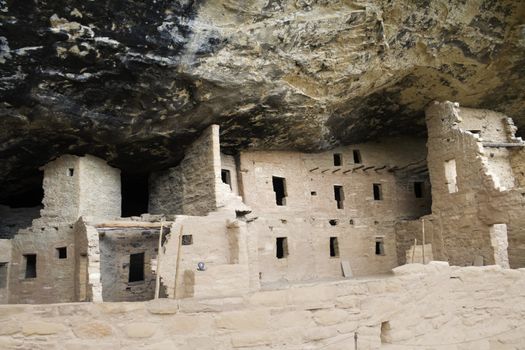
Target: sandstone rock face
[133, 82]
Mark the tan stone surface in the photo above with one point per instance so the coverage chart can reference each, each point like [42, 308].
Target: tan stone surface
[429, 306]
[140, 330]
[92, 330]
[41, 328]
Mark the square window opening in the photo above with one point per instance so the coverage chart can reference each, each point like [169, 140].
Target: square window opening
[279, 187]
[357, 156]
[313, 193]
[187, 239]
[226, 177]
[378, 192]
[339, 196]
[281, 245]
[70, 171]
[334, 247]
[418, 189]
[380, 246]
[338, 159]
[136, 267]
[62, 252]
[30, 261]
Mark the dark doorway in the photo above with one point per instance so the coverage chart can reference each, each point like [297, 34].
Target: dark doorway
[338, 159]
[281, 245]
[135, 194]
[226, 177]
[357, 156]
[279, 187]
[136, 267]
[378, 192]
[418, 189]
[334, 247]
[339, 196]
[30, 260]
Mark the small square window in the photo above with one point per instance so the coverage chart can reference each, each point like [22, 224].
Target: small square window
[313, 193]
[187, 239]
[70, 172]
[62, 253]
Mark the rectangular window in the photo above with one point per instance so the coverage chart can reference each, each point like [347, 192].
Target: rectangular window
[70, 171]
[136, 267]
[334, 247]
[281, 247]
[279, 187]
[62, 253]
[339, 196]
[418, 189]
[357, 156]
[3, 275]
[338, 159]
[187, 239]
[30, 260]
[378, 192]
[226, 177]
[451, 176]
[380, 246]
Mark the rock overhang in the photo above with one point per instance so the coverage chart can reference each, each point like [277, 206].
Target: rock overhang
[135, 83]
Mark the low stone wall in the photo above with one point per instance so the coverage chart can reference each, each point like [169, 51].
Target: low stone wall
[430, 307]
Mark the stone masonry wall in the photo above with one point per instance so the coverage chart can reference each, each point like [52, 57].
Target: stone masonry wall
[61, 189]
[486, 194]
[5, 259]
[309, 216]
[54, 281]
[100, 195]
[116, 245]
[430, 307]
[190, 187]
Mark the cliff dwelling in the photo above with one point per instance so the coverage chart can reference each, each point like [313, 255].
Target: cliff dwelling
[262, 175]
[265, 219]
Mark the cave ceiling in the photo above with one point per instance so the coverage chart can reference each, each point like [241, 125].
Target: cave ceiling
[135, 81]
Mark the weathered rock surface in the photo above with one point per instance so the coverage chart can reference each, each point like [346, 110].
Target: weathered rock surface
[134, 81]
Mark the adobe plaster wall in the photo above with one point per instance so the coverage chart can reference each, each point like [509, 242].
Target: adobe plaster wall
[305, 217]
[433, 307]
[221, 242]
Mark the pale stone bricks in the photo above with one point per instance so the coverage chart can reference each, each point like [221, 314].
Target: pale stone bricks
[243, 320]
[140, 330]
[92, 330]
[41, 328]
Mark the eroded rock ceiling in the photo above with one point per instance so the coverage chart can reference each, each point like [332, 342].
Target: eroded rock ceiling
[133, 81]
